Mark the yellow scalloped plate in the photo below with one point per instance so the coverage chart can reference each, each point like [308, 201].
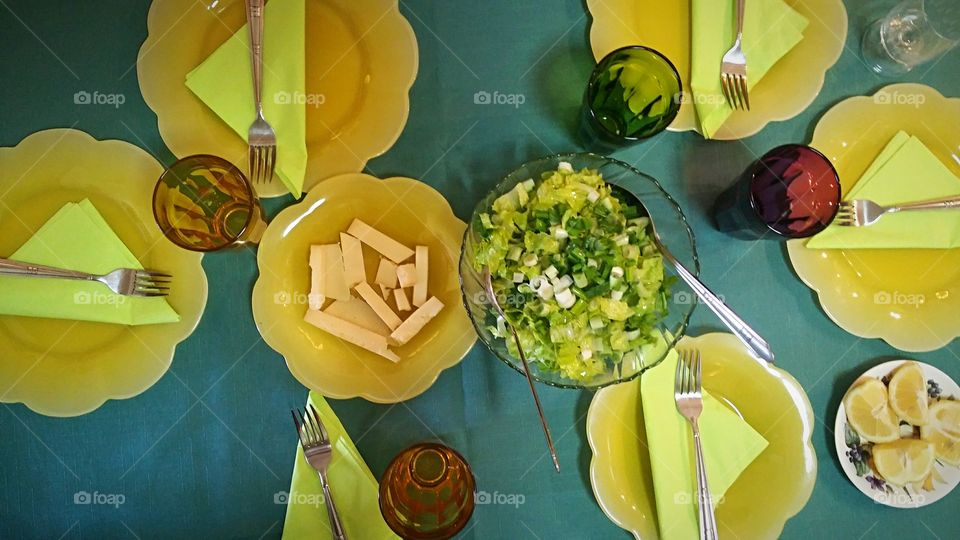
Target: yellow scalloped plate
[409, 211]
[770, 399]
[68, 368]
[787, 89]
[361, 56]
[860, 288]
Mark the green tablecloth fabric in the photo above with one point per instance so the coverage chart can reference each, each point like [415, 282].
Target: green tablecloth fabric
[205, 451]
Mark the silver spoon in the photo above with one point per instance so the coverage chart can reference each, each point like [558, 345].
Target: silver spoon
[488, 287]
[761, 349]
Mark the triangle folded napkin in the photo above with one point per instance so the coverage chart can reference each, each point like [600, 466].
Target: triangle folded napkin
[355, 490]
[905, 171]
[729, 446]
[78, 238]
[770, 29]
[224, 82]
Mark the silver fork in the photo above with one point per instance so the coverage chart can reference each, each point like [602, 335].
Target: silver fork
[488, 287]
[125, 281]
[689, 397]
[863, 212]
[733, 70]
[261, 138]
[318, 452]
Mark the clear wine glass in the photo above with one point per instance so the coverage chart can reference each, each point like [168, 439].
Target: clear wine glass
[914, 32]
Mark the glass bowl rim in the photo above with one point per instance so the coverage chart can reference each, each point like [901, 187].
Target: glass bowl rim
[252, 195]
[671, 340]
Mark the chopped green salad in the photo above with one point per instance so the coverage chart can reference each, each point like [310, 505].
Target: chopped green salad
[576, 272]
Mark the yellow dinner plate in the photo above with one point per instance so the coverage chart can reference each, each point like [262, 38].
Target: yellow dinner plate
[361, 57]
[768, 398]
[68, 368]
[908, 297]
[786, 90]
[411, 212]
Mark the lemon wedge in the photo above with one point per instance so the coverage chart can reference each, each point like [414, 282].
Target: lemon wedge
[869, 412]
[943, 431]
[904, 461]
[908, 393]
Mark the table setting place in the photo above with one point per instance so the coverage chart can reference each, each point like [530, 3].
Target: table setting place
[834, 165]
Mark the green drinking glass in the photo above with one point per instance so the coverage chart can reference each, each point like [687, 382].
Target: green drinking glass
[634, 93]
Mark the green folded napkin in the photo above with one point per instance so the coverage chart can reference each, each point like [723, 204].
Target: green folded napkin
[905, 171]
[224, 83]
[729, 446]
[770, 29]
[354, 488]
[78, 238]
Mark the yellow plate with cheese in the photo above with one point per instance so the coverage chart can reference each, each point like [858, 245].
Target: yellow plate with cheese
[402, 209]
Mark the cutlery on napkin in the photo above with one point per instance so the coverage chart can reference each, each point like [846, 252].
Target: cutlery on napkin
[729, 446]
[222, 82]
[78, 238]
[357, 491]
[771, 29]
[905, 170]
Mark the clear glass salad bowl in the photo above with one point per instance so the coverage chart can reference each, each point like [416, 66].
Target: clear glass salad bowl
[674, 232]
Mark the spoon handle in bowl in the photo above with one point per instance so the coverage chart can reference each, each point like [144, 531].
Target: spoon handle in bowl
[750, 338]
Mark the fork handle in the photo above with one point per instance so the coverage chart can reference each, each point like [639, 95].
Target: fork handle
[17, 268]
[740, 15]
[336, 528]
[255, 22]
[949, 202]
[707, 519]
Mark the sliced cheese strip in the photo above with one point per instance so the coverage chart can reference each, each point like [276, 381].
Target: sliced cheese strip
[385, 292]
[415, 322]
[387, 274]
[358, 312]
[352, 333]
[407, 275]
[326, 263]
[386, 246]
[400, 297]
[316, 297]
[379, 305]
[422, 265]
[353, 269]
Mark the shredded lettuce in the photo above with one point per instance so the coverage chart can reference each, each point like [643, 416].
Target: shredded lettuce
[577, 271]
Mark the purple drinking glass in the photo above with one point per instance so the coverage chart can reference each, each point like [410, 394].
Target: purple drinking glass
[793, 191]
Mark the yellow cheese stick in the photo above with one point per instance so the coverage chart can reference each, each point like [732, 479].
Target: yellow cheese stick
[388, 247]
[347, 331]
[376, 302]
[423, 275]
[400, 296]
[353, 268]
[415, 322]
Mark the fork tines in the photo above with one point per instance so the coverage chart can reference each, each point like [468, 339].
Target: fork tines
[846, 215]
[152, 283]
[309, 427]
[263, 160]
[687, 382]
[735, 90]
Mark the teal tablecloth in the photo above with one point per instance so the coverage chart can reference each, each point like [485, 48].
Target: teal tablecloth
[203, 453]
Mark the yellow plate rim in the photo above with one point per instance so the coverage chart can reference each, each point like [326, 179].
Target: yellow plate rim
[601, 484]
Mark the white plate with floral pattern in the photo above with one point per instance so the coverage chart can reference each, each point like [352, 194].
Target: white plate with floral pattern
[854, 452]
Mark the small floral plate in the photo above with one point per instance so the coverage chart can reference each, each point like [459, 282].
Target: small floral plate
[854, 453]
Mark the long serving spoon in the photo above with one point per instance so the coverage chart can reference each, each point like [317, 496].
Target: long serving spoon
[488, 287]
[761, 349]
